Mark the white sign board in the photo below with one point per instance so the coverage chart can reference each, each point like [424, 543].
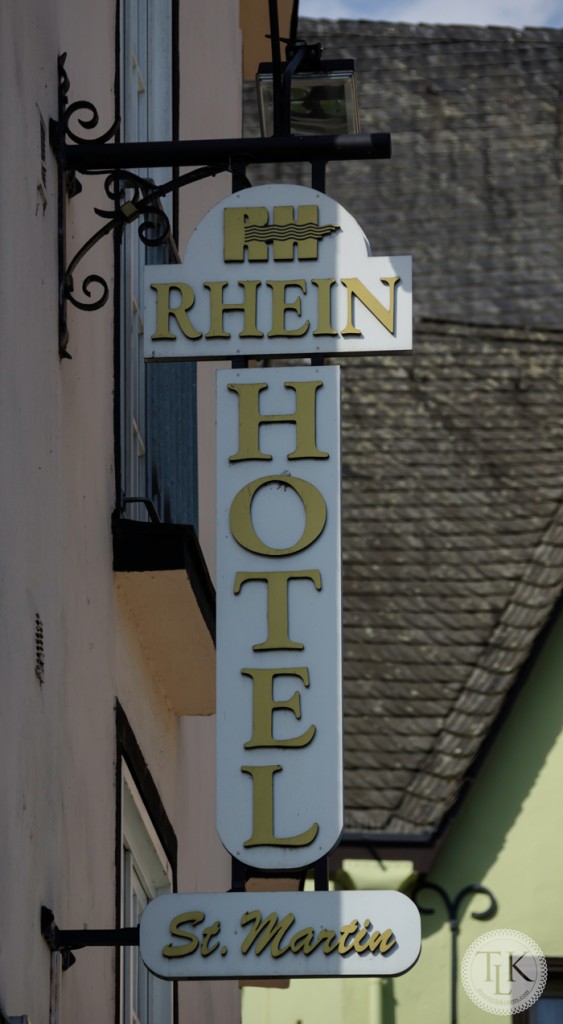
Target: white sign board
[279, 703]
[277, 270]
[282, 935]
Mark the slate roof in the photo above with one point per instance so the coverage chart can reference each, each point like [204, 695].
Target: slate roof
[452, 455]
[453, 556]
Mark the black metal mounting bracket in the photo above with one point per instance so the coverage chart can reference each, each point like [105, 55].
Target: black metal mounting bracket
[63, 941]
[136, 198]
[452, 906]
[241, 873]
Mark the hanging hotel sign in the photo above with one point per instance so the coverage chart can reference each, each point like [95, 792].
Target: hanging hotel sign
[279, 706]
[273, 271]
[283, 935]
[277, 270]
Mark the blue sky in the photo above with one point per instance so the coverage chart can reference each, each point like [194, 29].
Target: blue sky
[518, 13]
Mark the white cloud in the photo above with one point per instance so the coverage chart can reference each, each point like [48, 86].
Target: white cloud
[515, 13]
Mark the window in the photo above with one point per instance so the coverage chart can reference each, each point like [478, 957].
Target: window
[549, 1007]
[146, 854]
[158, 449]
[145, 873]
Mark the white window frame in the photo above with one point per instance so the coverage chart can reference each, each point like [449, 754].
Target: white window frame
[145, 874]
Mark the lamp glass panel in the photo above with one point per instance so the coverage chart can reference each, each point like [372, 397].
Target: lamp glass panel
[322, 103]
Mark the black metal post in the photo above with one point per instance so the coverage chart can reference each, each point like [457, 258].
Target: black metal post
[320, 869]
[452, 906]
[276, 65]
[97, 156]
[318, 175]
[291, 67]
[64, 940]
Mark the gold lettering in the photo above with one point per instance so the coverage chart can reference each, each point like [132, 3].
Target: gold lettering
[357, 943]
[345, 932]
[176, 928]
[303, 942]
[306, 247]
[324, 326]
[329, 941]
[247, 228]
[218, 308]
[235, 222]
[242, 527]
[278, 604]
[264, 705]
[386, 942]
[304, 418]
[273, 929]
[280, 306]
[271, 932]
[263, 810]
[356, 289]
[180, 312]
[208, 933]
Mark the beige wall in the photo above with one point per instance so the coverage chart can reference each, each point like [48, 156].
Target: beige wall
[255, 24]
[56, 455]
[57, 737]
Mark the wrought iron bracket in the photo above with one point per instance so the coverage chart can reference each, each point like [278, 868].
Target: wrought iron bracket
[135, 198]
[63, 941]
[453, 906]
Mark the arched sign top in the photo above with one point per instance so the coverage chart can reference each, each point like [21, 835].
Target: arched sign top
[277, 270]
[287, 224]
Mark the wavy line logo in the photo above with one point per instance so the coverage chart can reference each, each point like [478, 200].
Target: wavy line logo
[273, 233]
[248, 233]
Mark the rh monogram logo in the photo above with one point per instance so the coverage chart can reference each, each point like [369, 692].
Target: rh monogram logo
[247, 232]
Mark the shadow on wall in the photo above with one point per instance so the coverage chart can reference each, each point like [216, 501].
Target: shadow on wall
[388, 1001]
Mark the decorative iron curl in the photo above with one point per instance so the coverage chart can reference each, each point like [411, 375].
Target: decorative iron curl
[142, 204]
[130, 196]
[64, 80]
[87, 282]
[67, 112]
[91, 279]
[452, 906]
[88, 123]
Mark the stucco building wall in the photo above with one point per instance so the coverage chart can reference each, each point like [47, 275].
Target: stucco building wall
[68, 650]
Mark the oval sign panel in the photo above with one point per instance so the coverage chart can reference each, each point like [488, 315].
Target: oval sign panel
[279, 677]
[280, 935]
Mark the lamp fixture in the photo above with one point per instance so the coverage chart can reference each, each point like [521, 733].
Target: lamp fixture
[322, 94]
[308, 113]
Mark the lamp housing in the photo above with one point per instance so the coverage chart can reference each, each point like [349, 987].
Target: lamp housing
[323, 98]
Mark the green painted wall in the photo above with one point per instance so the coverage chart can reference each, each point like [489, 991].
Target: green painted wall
[508, 837]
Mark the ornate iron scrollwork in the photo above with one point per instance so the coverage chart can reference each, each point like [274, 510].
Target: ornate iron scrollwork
[154, 229]
[132, 198]
[452, 906]
[208, 157]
